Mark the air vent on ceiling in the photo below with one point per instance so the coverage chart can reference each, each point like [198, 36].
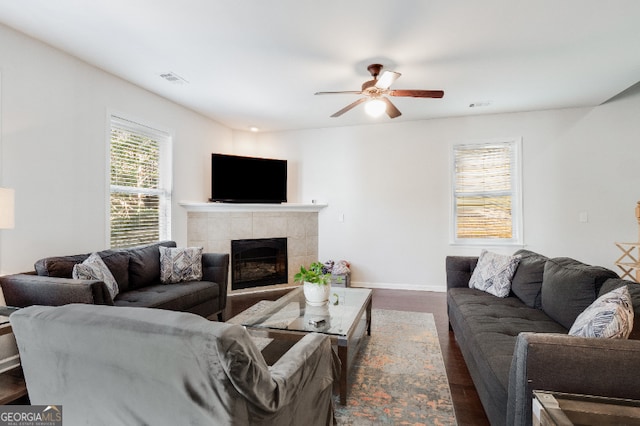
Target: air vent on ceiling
[479, 104]
[174, 78]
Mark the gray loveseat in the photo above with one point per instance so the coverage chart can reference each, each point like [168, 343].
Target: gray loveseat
[519, 343]
[137, 273]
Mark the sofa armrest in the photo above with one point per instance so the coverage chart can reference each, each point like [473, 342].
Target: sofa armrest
[459, 270]
[562, 363]
[215, 268]
[22, 290]
[311, 362]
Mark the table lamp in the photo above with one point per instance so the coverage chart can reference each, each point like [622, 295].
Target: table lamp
[7, 198]
[9, 357]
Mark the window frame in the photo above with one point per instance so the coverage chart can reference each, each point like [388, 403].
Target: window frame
[165, 179]
[517, 224]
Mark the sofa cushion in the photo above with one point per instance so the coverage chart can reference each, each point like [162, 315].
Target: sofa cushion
[94, 268]
[175, 297]
[118, 263]
[58, 266]
[569, 287]
[493, 273]
[180, 264]
[487, 328]
[526, 283]
[634, 293]
[610, 316]
[62, 266]
[144, 264]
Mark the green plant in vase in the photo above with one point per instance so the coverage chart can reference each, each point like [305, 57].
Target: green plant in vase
[315, 274]
[316, 283]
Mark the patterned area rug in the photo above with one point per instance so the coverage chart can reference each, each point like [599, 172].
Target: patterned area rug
[398, 376]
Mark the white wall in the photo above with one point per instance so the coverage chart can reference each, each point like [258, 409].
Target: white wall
[392, 183]
[54, 149]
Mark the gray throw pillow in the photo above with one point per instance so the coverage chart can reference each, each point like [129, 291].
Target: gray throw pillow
[493, 273]
[93, 268]
[610, 316]
[569, 287]
[180, 264]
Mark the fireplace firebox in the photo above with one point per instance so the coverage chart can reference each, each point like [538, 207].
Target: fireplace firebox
[258, 262]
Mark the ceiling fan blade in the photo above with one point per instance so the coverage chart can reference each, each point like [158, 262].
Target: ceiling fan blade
[350, 106]
[350, 92]
[392, 111]
[417, 93]
[386, 79]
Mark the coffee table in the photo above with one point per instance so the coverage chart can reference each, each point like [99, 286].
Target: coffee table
[345, 319]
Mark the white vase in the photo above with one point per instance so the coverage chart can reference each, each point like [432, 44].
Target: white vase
[316, 294]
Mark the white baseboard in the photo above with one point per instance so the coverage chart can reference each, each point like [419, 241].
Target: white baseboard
[400, 286]
[355, 284]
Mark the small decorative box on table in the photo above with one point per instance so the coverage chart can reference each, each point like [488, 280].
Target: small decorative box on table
[340, 272]
[341, 280]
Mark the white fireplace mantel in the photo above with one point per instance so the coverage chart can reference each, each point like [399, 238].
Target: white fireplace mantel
[213, 226]
[194, 206]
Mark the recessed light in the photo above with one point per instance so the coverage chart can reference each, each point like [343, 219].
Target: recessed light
[254, 129]
[174, 78]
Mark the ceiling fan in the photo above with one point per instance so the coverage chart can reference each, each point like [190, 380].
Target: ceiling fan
[376, 90]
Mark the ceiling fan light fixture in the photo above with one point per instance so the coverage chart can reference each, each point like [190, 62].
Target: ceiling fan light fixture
[375, 93]
[375, 107]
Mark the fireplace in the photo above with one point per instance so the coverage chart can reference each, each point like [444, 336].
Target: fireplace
[258, 262]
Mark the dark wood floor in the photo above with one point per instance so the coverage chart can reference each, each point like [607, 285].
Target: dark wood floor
[465, 398]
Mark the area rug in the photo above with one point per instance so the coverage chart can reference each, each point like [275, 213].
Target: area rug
[398, 376]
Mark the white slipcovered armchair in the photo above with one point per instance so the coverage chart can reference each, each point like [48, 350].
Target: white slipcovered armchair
[125, 366]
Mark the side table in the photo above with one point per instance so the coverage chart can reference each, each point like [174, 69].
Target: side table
[564, 409]
[12, 384]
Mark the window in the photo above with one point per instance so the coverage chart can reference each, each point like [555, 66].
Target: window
[486, 193]
[140, 180]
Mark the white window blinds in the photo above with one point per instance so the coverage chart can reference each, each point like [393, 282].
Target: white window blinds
[140, 196]
[486, 192]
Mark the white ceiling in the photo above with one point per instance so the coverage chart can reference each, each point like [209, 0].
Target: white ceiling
[259, 63]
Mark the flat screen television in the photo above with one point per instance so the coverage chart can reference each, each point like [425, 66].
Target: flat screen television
[236, 179]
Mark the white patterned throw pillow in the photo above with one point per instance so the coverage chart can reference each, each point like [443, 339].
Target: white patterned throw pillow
[94, 268]
[180, 264]
[494, 272]
[609, 316]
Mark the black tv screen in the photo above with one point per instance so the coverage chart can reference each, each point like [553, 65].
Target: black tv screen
[236, 179]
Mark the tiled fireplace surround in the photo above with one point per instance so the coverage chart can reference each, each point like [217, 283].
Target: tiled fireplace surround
[213, 226]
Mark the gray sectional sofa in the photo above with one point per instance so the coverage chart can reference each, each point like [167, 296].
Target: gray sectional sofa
[517, 344]
[137, 273]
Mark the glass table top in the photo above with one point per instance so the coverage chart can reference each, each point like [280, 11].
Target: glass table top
[565, 408]
[291, 312]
